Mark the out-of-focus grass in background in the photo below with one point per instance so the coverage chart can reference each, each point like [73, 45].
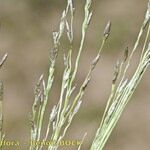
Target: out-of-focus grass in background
[25, 34]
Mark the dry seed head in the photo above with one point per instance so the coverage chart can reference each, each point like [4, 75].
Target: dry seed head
[107, 30]
[53, 53]
[116, 73]
[95, 61]
[40, 79]
[112, 109]
[44, 86]
[3, 60]
[72, 90]
[55, 38]
[37, 90]
[147, 15]
[53, 114]
[77, 107]
[68, 31]
[62, 24]
[86, 83]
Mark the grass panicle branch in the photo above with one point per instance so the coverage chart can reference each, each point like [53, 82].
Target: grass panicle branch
[62, 113]
[68, 105]
[123, 90]
[1, 103]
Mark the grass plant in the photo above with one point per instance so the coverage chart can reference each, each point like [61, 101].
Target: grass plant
[63, 112]
[121, 92]
[68, 104]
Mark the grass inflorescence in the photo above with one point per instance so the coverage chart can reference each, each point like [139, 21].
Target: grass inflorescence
[69, 103]
[62, 113]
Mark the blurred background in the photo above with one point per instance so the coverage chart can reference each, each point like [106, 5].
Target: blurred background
[25, 34]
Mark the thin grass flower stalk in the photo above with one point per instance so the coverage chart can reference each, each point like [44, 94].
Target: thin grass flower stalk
[1, 113]
[63, 113]
[122, 87]
[1, 104]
